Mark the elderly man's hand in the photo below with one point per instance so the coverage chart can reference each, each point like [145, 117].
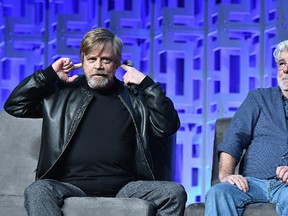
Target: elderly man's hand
[237, 180]
[282, 174]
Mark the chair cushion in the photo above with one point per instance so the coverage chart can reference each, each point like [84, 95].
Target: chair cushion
[12, 205]
[257, 209]
[99, 206]
[19, 146]
[195, 209]
[260, 209]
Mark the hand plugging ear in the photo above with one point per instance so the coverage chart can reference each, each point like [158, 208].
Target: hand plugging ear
[63, 67]
[132, 75]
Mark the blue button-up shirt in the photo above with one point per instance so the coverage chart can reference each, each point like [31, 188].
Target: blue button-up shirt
[260, 127]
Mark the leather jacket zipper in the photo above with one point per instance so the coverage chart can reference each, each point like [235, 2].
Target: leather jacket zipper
[137, 133]
[68, 141]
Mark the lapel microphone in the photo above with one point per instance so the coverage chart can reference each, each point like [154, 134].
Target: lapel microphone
[129, 63]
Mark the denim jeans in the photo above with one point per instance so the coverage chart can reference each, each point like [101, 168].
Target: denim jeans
[225, 199]
[46, 197]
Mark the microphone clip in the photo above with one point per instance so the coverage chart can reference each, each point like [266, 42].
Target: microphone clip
[132, 87]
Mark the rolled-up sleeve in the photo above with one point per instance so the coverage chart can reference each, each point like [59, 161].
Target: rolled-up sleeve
[239, 134]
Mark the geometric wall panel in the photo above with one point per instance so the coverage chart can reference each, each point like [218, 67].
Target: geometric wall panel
[206, 54]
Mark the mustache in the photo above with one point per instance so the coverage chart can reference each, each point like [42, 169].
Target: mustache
[284, 77]
[100, 73]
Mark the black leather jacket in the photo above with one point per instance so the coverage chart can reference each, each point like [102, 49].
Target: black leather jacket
[62, 106]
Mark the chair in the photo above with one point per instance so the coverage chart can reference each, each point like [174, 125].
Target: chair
[19, 147]
[257, 209]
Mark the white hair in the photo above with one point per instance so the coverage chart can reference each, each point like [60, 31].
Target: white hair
[281, 47]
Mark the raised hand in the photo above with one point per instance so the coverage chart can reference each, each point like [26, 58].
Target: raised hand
[63, 67]
[132, 76]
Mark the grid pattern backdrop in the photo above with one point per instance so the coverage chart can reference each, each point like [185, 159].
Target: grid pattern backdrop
[207, 54]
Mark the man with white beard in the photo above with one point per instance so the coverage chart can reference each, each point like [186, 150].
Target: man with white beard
[260, 127]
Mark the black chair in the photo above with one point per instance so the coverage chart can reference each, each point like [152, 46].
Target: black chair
[257, 209]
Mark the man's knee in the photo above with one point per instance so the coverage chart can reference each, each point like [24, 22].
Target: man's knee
[37, 188]
[181, 192]
[220, 189]
[176, 190]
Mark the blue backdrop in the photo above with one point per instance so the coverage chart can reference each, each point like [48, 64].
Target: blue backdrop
[207, 54]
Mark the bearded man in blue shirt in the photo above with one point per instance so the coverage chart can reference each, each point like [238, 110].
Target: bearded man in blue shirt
[260, 127]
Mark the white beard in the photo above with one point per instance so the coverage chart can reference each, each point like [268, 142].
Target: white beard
[100, 83]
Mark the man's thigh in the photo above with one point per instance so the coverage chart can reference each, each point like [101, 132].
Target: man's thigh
[257, 192]
[259, 189]
[148, 190]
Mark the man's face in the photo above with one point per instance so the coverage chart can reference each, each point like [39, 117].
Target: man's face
[283, 71]
[100, 68]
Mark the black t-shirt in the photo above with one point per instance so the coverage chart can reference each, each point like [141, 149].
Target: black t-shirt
[100, 158]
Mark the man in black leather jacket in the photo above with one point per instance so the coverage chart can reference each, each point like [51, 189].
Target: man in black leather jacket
[96, 131]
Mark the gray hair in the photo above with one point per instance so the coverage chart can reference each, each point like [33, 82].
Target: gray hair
[281, 47]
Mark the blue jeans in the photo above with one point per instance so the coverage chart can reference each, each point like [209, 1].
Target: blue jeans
[227, 199]
[46, 197]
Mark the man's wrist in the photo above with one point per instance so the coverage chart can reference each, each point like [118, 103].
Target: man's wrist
[50, 74]
[146, 82]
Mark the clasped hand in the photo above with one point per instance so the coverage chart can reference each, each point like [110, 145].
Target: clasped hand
[282, 174]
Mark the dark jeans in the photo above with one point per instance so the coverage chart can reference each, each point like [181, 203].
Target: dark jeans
[46, 197]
